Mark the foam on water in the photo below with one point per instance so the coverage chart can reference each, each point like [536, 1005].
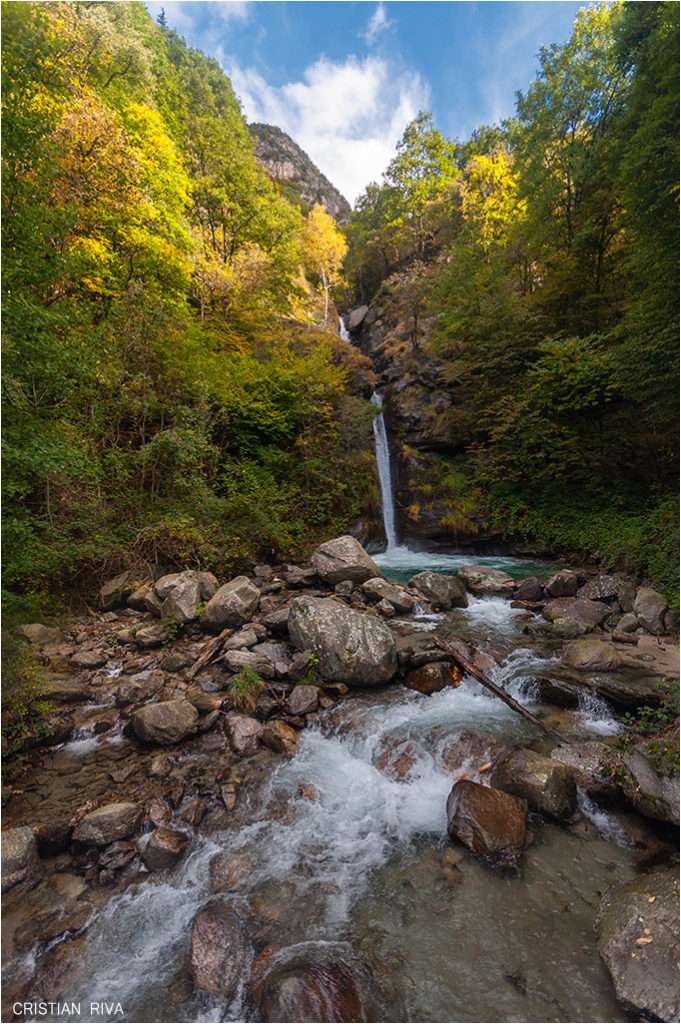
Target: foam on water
[606, 823]
[597, 715]
[402, 560]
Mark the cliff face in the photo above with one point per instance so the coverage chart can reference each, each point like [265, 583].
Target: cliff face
[301, 181]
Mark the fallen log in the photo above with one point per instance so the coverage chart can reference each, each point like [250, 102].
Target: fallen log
[474, 771]
[462, 662]
[209, 651]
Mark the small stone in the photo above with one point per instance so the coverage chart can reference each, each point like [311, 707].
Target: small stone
[165, 848]
[303, 700]
[106, 824]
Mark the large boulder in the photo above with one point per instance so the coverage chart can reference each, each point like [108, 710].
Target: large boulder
[311, 981]
[638, 938]
[244, 733]
[232, 605]
[354, 318]
[165, 722]
[481, 579]
[652, 783]
[106, 824]
[280, 737]
[352, 647]
[439, 590]
[63, 689]
[586, 615]
[165, 848]
[219, 951]
[600, 588]
[379, 589]
[116, 591]
[182, 601]
[21, 864]
[238, 660]
[562, 584]
[487, 821]
[548, 786]
[40, 635]
[344, 559]
[529, 589]
[592, 655]
[650, 608]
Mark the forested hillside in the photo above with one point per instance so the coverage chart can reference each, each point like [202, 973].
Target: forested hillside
[545, 253]
[169, 392]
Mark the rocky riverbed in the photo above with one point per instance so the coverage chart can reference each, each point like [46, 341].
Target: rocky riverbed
[248, 784]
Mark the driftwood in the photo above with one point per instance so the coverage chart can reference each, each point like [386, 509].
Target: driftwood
[463, 663]
[474, 771]
[209, 651]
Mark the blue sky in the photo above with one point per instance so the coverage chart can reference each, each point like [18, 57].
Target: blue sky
[344, 78]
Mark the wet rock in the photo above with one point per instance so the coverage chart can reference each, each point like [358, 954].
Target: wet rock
[592, 655]
[628, 623]
[562, 584]
[379, 589]
[433, 677]
[480, 579]
[106, 824]
[470, 749]
[529, 589]
[243, 733]
[585, 761]
[623, 691]
[441, 591]
[638, 938]
[344, 558]
[139, 687]
[53, 838]
[652, 783]
[229, 868]
[352, 647]
[398, 759]
[302, 700]
[165, 848]
[61, 908]
[306, 791]
[63, 689]
[232, 605]
[21, 864]
[600, 588]
[115, 592]
[117, 856]
[165, 722]
[546, 785]
[192, 810]
[40, 635]
[311, 981]
[650, 608]
[219, 951]
[280, 737]
[487, 821]
[385, 609]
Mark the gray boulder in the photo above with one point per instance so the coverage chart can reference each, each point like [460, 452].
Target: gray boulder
[586, 615]
[600, 588]
[116, 591]
[480, 579]
[529, 589]
[344, 558]
[40, 635]
[546, 785]
[21, 864]
[244, 733]
[652, 784]
[439, 590]
[219, 951]
[379, 589]
[238, 660]
[181, 602]
[650, 608]
[106, 824]
[592, 655]
[165, 722]
[302, 700]
[562, 584]
[355, 317]
[63, 689]
[352, 647]
[232, 605]
[638, 938]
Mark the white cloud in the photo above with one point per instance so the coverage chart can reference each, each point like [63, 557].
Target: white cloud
[184, 15]
[378, 22]
[347, 115]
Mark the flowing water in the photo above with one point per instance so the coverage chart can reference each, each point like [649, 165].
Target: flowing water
[344, 842]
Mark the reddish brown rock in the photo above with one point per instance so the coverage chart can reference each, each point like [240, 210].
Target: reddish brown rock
[280, 737]
[165, 848]
[228, 869]
[243, 733]
[433, 676]
[487, 821]
[218, 951]
[307, 982]
[398, 759]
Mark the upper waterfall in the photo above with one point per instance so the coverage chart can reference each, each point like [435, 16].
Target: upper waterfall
[384, 474]
[342, 329]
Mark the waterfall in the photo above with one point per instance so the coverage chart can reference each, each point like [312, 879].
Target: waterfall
[342, 329]
[384, 475]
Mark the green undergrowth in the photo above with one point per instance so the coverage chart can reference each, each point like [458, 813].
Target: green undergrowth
[25, 707]
[244, 689]
[658, 726]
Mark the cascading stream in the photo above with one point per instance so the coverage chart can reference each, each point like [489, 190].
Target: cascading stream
[384, 473]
